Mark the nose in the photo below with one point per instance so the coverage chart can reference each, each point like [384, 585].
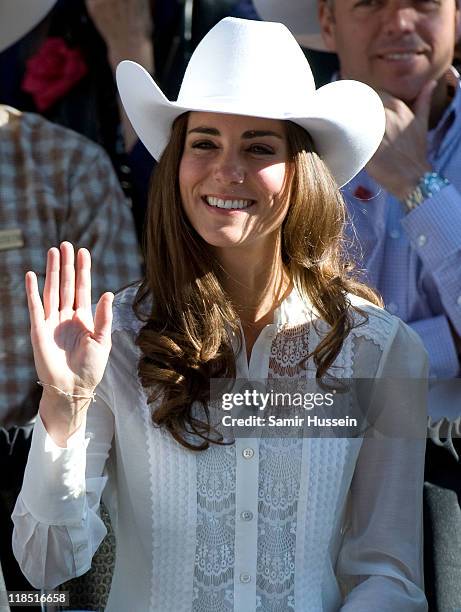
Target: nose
[399, 20]
[229, 170]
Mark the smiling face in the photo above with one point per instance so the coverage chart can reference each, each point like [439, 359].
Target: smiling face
[393, 45]
[231, 175]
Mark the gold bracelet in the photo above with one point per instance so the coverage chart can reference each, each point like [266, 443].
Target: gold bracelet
[91, 397]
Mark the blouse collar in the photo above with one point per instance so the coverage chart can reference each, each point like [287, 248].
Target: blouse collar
[294, 310]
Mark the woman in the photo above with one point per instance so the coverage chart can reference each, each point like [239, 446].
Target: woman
[244, 279]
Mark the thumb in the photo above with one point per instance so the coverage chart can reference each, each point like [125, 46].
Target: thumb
[422, 104]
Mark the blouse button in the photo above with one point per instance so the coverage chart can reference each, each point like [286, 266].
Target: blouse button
[245, 578]
[248, 453]
[246, 515]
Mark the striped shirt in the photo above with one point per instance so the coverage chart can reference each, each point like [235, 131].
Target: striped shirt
[414, 260]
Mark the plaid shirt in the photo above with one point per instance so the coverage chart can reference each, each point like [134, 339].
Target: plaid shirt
[55, 185]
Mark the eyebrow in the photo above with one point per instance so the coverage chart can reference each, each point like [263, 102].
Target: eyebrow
[246, 135]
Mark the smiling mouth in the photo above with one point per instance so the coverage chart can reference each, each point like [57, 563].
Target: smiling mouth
[400, 56]
[227, 204]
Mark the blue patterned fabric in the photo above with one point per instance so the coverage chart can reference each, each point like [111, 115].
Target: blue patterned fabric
[414, 260]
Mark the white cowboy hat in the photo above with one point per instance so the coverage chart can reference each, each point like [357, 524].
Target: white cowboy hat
[254, 68]
[17, 17]
[300, 17]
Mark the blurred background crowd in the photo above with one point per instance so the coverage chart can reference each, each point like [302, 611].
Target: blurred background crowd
[64, 70]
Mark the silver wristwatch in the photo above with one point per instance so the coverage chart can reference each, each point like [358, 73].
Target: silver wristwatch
[429, 184]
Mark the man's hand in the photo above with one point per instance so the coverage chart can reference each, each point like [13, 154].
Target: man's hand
[401, 159]
[126, 27]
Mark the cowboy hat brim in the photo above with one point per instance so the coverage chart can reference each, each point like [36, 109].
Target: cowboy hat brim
[17, 17]
[339, 117]
[300, 17]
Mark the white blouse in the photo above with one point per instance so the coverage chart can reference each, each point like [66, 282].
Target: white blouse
[269, 523]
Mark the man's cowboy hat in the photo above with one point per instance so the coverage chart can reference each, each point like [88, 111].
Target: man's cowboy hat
[300, 17]
[17, 17]
[254, 68]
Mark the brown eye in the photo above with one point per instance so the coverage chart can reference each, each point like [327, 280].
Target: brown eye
[203, 144]
[261, 149]
[366, 3]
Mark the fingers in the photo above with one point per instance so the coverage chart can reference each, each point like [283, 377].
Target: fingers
[83, 285]
[36, 312]
[392, 104]
[64, 287]
[51, 289]
[103, 318]
[422, 104]
[67, 288]
[421, 107]
[67, 277]
[388, 100]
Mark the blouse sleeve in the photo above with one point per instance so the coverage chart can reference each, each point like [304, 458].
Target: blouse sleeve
[57, 528]
[380, 561]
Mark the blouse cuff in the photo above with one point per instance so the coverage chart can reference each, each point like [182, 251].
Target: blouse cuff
[54, 480]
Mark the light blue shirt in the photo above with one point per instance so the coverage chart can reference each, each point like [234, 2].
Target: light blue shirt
[414, 260]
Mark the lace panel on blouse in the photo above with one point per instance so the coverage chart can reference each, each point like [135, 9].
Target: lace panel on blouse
[214, 553]
[278, 492]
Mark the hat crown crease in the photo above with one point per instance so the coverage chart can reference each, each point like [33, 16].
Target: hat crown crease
[243, 71]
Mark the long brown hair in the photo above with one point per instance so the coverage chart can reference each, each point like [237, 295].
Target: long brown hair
[185, 338]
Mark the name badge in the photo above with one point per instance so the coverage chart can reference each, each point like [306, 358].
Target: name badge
[11, 239]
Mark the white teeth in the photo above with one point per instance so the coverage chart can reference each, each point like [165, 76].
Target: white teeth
[229, 204]
[400, 56]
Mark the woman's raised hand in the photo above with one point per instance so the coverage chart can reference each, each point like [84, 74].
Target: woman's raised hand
[70, 348]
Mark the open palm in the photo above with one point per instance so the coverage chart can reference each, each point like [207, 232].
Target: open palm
[70, 348]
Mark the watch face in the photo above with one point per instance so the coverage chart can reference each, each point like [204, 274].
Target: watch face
[433, 183]
[429, 184]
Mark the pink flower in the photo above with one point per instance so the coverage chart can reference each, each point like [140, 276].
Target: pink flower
[52, 72]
